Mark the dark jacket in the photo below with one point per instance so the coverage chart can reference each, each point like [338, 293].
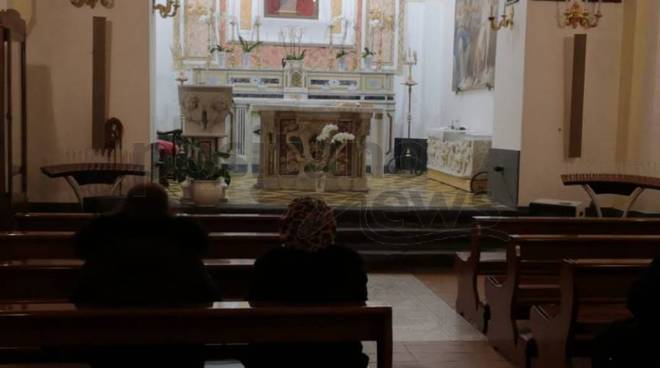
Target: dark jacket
[644, 297]
[332, 275]
[143, 261]
[133, 261]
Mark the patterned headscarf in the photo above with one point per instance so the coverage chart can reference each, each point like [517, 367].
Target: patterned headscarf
[309, 224]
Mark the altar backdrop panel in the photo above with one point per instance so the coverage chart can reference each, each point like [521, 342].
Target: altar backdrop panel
[204, 23]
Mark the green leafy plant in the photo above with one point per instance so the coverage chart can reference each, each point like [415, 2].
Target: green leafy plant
[247, 46]
[366, 53]
[342, 53]
[219, 48]
[296, 56]
[194, 163]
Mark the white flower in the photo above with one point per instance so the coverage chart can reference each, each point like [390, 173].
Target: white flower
[204, 19]
[334, 83]
[325, 133]
[343, 137]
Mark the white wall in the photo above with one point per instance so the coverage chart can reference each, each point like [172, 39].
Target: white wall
[509, 82]
[644, 145]
[167, 109]
[547, 83]
[60, 85]
[440, 104]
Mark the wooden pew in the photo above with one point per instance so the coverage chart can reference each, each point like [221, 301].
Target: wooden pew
[533, 263]
[222, 222]
[55, 280]
[593, 295]
[469, 265]
[66, 326]
[59, 245]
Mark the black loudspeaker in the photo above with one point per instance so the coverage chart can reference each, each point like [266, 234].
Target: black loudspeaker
[551, 208]
[411, 154]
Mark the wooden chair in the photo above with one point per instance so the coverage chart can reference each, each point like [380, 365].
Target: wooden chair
[469, 265]
[54, 280]
[41, 325]
[532, 278]
[593, 295]
[59, 245]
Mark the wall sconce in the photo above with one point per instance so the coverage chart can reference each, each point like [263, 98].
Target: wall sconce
[92, 3]
[579, 15]
[169, 9]
[507, 19]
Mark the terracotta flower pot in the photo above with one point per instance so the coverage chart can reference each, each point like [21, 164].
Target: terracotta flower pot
[207, 193]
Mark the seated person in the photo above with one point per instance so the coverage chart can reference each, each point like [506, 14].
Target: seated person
[633, 343]
[309, 268]
[143, 256]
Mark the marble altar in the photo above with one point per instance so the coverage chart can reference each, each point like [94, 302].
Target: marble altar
[455, 156]
[288, 133]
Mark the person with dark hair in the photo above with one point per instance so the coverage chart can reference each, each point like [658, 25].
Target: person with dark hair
[633, 342]
[143, 256]
[308, 268]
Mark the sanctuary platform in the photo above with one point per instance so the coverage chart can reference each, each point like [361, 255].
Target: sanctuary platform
[400, 191]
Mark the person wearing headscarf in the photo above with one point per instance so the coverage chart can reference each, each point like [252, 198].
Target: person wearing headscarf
[309, 268]
[144, 256]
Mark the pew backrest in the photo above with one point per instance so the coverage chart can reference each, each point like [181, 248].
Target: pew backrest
[222, 222]
[41, 325]
[55, 279]
[59, 245]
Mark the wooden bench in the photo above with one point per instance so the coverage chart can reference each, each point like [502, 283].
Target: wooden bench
[593, 295]
[469, 265]
[66, 326]
[223, 222]
[55, 280]
[59, 245]
[533, 264]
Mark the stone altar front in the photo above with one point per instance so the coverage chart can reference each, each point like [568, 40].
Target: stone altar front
[454, 156]
[288, 134]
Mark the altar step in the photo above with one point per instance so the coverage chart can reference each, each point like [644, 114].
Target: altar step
[390, 218]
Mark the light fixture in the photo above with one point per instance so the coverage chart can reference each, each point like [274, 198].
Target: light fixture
[578, 15]
[507, 19]
[169, 9]
[92, 3]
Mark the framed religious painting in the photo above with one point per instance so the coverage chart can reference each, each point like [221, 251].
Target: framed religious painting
[293, 9]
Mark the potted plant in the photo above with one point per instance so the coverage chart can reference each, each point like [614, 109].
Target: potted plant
[294, 57]
[342, 60]
[200, 172]
[220, 54]
[248, 47]
[368, 58]
[328, 144]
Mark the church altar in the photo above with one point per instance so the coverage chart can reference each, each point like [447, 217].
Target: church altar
[364, 96]
[288, 133]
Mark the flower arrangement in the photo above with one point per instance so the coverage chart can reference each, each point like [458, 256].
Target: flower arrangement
[247, 46]
[219, 48]
[328, 143]
[367, 52]
[291, 39]
[341, 53]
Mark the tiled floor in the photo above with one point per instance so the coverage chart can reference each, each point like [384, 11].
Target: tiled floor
[458, 346]
[392, 190]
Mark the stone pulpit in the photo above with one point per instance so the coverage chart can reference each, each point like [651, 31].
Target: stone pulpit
[288, 136]
[204, 112]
